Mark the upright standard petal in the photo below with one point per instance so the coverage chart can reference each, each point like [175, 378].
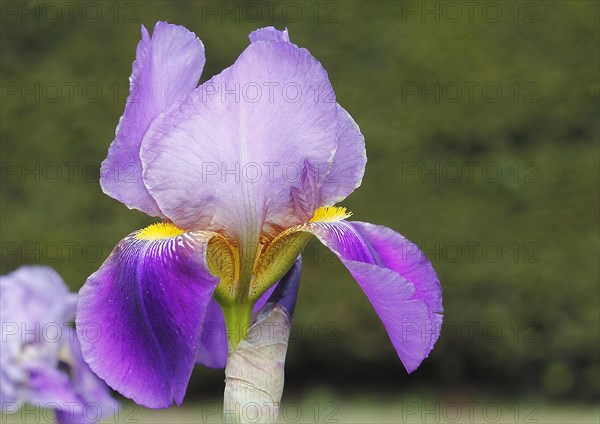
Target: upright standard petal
[345, 173]
[232, 156]
[397, 279]
[139, 315]
[269, 34]
[168, 66]
[348, 168]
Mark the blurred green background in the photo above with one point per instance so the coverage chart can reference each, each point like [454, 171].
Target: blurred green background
[481, 124]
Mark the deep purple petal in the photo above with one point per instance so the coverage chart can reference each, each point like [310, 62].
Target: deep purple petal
[213, 347]
[264, 298]
[286, 293]
[235, 154]
[397, 278]
[139, 315]
[168, 66]
[269, 34]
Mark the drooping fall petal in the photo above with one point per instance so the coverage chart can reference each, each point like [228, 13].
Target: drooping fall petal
[397, 279]
[168, 66]
[139, 315]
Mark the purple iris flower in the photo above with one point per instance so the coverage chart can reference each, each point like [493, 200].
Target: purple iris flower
[40, 357]
[242, 170]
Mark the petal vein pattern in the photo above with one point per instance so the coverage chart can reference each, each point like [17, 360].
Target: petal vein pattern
[396, 277]
[231, 155]
[139, 315]
[167, 67]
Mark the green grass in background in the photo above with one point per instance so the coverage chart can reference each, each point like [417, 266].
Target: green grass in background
[324, 407]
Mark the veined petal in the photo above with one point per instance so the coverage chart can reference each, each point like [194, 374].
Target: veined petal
[212, 344]
[88, 387]
[238, 151]
[167, 66]
[345, 173]
[397, 279]
[348, 167]
[139, 315]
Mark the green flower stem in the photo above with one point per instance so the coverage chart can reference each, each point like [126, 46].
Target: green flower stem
[238, 311]
[237, 319]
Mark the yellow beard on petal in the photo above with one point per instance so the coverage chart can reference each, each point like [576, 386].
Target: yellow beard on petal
[159, 230]
[273, 257]
[330, 214]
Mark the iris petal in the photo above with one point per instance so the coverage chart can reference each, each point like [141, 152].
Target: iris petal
[89, 388]
[345, 173]
[50, 386]
[167, 66]
[348, 167]
[212, 343]
[139, 316]
[269, 34]
[397, 279]
[238, 151]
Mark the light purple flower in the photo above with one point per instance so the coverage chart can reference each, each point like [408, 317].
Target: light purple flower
[40, 357]
[242, 170]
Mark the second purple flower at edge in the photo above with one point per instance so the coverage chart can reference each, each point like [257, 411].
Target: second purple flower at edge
[40, 357]
[225, 242]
